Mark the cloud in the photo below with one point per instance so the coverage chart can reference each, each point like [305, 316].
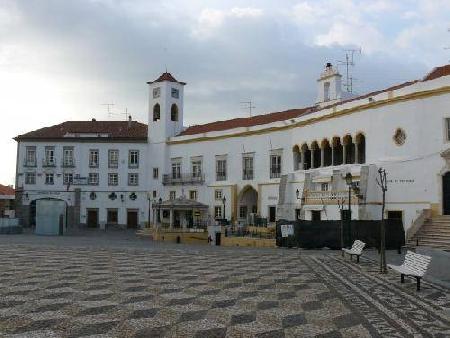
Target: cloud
[61, 60]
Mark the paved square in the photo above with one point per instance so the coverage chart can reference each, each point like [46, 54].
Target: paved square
[152, 290]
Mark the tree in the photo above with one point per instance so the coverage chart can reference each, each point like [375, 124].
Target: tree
[382, 183]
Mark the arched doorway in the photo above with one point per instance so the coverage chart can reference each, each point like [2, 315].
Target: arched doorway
[446, 193]
[247, 204]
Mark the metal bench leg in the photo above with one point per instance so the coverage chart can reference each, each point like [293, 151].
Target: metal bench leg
[357, 258]
[418, 283]
[402, 278]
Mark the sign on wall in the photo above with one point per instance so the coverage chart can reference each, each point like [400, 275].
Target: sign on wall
[287, 230]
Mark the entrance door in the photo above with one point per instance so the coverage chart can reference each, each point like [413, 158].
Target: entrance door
[92, 218]
[272, 214]
[446, 194]
[132, 219]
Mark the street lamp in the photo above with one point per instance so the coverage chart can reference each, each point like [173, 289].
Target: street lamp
[224, 201]
[349, 181]
[159, 210]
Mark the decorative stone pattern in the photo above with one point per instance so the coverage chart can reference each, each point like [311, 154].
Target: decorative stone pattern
[69, 291]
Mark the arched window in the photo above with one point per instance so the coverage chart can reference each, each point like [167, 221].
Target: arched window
[174, 112]
[326, 149]
[361, 145]
[349, 154]
[337, 151]
[156, 112]
[306, 157]
[316, 155]
[296, 157]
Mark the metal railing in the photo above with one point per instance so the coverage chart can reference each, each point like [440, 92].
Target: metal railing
[68, 163]
[48, 163]
[220, 176]
[275, 171]
[247, 174]
[170, 179]
[29, 164]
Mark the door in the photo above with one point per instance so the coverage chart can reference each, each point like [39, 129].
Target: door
[132, 219]
[92, 218]
[446, 194]
[218, 235]
[272, 214]
[315, 215]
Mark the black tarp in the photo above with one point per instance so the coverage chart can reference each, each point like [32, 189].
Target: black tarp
[320, 234]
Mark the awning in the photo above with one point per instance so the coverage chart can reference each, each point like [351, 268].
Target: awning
[181, 203]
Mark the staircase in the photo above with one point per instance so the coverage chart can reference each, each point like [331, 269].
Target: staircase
[434, 233]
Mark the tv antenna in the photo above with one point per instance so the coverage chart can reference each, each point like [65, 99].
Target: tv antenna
[108, 108]
[248, 105]
[349, 64]
[126, 114]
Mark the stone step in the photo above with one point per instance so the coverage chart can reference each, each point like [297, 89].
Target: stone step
[426, 242]
[433, 235]
[435, 226]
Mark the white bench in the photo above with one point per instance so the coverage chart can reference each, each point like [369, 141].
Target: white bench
[415, 265]
[356, 249]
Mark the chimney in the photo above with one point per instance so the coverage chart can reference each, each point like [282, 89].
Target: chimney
[93, 120]
[129, 121]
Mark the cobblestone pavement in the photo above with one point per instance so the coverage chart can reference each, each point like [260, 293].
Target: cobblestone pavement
[73, 291]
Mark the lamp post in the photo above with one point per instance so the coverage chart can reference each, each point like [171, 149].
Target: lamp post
[349, 181]
[224, 200]
[159, 210]
[341, 208]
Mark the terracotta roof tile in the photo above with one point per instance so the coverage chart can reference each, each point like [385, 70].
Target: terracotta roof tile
[5, 190]
[437, 72]
[114, 129]
[166, 77]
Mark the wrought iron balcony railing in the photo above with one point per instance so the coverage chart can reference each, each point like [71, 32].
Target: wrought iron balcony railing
[171, 179]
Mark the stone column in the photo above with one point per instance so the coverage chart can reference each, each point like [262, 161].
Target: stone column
[171, 219]
[344, 154]
[332, 153]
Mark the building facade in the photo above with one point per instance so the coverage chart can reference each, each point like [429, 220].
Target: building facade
[283, 165]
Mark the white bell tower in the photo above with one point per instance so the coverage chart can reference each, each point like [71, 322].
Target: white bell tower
[329, 86]
[165, 118]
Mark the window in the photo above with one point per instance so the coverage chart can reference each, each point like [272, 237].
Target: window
[172, 195]
[272, 214]
[217, 211]
[67, 178]
[218, 194]
[68, 157]
[30, 159]
[155, 173]
[324, 187]
[113, 179]
[93, 178]
[175, 93]
[133, 179]
[247, 168]
[243, 211]
[196, 168]
[49, 178]
[193, 195]
[447, 128]
[221, 170]
[156, 92]
[113, 158]
[326, 91]
[133, 158]
[49, 156]
[30, 178]
[176, 170]
[174, 112]
[93, 158]
[156, 112]
[112, 216]
[275, 166]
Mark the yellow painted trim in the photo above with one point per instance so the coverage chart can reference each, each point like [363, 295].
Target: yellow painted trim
[343, 112]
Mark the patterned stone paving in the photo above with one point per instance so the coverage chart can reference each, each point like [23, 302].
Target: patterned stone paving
[68, 291]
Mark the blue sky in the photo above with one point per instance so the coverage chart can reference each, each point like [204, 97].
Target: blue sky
[60, 60]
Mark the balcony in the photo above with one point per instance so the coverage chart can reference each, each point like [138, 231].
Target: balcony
[48, 163]
[221, 176]
[275, 171]
[29, 164]
[182, 179]
[247, 175]
[68, 164]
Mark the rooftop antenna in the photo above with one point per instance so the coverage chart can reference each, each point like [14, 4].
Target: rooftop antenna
[349, 64]
[108, 108]
[448, 47]
[126, 114]
[248, 105]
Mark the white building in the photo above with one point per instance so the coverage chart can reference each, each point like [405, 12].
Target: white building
[289, 164]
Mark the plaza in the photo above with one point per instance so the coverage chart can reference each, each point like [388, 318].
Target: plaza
[114, 284]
